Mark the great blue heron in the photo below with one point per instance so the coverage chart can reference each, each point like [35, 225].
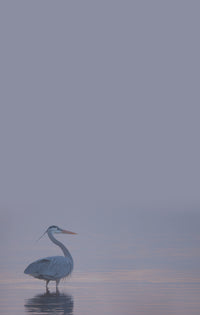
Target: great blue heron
[52, 268]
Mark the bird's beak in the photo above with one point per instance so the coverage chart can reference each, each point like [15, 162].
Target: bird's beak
[68, 232]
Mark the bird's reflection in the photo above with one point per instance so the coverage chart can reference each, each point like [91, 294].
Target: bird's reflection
[50, 303]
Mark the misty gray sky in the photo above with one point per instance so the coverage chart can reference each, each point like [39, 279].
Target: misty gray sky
[99, 109]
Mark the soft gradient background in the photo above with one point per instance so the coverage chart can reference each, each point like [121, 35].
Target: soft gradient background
[99, 128]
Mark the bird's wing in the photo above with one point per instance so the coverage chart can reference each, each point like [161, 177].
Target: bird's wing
[38, 268]
[50, 268]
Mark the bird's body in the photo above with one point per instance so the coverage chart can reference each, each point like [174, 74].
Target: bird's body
[52, 268]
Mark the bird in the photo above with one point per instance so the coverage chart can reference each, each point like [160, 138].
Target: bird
[52, 268]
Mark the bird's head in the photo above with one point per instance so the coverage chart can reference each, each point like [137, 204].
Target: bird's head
[57, 230]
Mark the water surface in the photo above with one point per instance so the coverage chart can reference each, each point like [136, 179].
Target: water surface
[119, 292]
[151, 267]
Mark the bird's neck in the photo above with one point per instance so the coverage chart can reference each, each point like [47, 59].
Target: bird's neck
[64, 249]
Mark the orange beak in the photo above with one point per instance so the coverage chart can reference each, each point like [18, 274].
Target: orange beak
[68, 232]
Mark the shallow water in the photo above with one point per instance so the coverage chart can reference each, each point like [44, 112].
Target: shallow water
[153, 270]
[150, 291]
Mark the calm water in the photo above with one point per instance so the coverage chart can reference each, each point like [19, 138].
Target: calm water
[119, 292]
[154, 272]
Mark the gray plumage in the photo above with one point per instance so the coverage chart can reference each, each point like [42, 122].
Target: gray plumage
[52, 268]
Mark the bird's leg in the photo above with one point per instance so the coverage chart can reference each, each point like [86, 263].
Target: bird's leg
[47, 291]
[47, 281]
[57, 283]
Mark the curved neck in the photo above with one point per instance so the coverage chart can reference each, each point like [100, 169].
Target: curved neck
[55, 241]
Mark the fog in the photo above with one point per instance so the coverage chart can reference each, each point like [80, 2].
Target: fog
[99, 123]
